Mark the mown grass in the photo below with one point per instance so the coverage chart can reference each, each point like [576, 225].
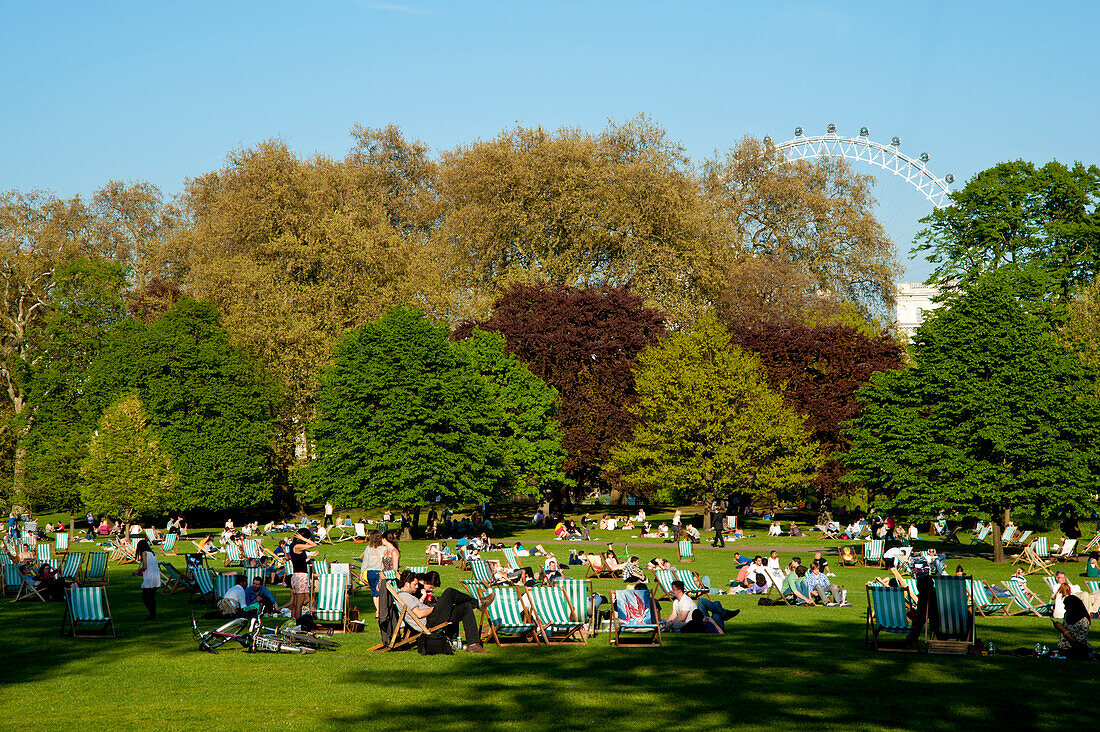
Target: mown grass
[777, 668]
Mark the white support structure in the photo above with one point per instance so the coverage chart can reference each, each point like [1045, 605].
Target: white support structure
[887, 157]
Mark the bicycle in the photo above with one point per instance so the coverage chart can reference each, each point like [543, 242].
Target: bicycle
[249, 633]
[306, 638]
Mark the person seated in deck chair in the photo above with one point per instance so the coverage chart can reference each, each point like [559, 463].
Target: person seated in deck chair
[658, 563]
[1073, 630]
[451, 606]
[550, 571]
[632, 572]
[691, 616]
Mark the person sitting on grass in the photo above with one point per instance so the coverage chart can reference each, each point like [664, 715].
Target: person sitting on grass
[1073, 630]
[740, 560]
[794, 587]
[259, 595]
[824, 564]
[632, 572]
[451, 606]
[686, 616]
[1092, 566]
[794, 530]
[819, 584]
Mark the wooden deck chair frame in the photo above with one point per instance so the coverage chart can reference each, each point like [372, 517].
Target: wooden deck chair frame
[124, 552]
[172, 582]
[95, 569]
[233, 556]
[886, 612]
[981, 536]
[1036, 555]
[521, 626]
[986, 602]
[409, 629]
[70, 570]
[952, 620]
[168, 548]
[204, 586]
[87, 597]
[594, 571]
[1020, 540]
[27, 590]
[61, 542]
[1094, 543]
[1021, 600]
[619, 631]
[827, 533]
[1067, 553]
[952, 536]
[877, 546]
[686, 545]
[553, 613]
[579, 592]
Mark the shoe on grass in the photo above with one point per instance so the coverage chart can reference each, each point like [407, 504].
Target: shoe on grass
[476, 648]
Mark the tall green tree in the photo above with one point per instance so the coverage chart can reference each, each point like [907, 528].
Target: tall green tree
[1041, 225]
[126, 473]
[210, 402]
[533, 451]
[709, 425]
[995, 414]
[1082, 329]
[405, 417]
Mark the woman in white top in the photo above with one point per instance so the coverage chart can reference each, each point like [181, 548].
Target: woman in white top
[150, 577]
[676, 518]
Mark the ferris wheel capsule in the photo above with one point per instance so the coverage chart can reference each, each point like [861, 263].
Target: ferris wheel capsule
[895, 141]
[924, 157]
[798, 132]
[949, 178]
[767, 139]
[864, 132]
[831, 129]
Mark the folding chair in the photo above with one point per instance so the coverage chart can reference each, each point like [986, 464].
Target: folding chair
[44, 552]
[252, 550]
[1094, 543]
[1020, 540]
[168, 548]
[151, 535]
[87, 607]
[508, 619]
[70, 570]
[596, 568]
[687, 553]
[13, 579]
[203, 586]
[408, 627]
[27, 589]
[579, 592]
[331, 602]
[981, 536]
[61, 542]
[984, 601]
[233, 556]
[417, 570]
[95, 570]
[510, 556]
[222, 584]
[1066, 553]
[1035, 554]
[635, 621]
[554, 615]
[953, 624]
[251, 573]
[872, 552]
[886, 612]
[172, 581]
[1019, 596]
[480, 570]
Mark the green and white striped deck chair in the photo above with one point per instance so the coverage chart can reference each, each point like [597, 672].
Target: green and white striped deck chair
[331, 606]
[44, 552]
[634, 619]
[1067, 552]
[252, 550]
[203, 586]
[474, 588]
[978, 527]
[168, 548]
[687, 553]
[508, 619]
[13, 579]
[1094, 585]
[251, 573]
[579, 592]
[1036, 554]
[981, 536]
[70, 570]
[233, 556]
[87, 608]
[872, 552]
[691, 583]
[27, 589]
[171, 580]
[222, 584]
[61, 542]
[95, 570]
[1007, 534]
[510, 557]
[417, 570]
[954, 619]
[886, 612]
[914, 593]
[664, 578]
[1019, 596]
[151, 535]
[1094, 543]
[984, 601]
[1020, 539]
[554, 615]
[480, 570]
[408, 627]
[390, 575]
[1052, 584]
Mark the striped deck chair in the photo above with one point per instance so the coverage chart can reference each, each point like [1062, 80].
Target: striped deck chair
[978, 528]
[1094, 543]
[579, 592]
[510, 557]
[596, 567]
[233, 556]
[222, 584]
[507, 619]
[982, 535]
[172, 581]
[61, 542]
[27, 588]
[331, 604]
[952, 536]
[13, 579]
[1020, 540]
[408, 627]
[984, 601]
[95, 570]
[417, 570]
[687, 554]
[872, 552]
[634, 620]
[124, 552]
[913, 595]
[954, 620]
[251, 573]
[692, 584]
[1007, 534]
[886, 612]
[44, 552]
[168, 548]
[70, 570]
[87, 608]
[557, 621]
[1094, 585]
[474, 588]
[252, 550]
[203, 587]
[151, 535]
[1066, 553]
[665, 578]
[729, 525]
[1036, 555]
[480, 570]
[1019, 596]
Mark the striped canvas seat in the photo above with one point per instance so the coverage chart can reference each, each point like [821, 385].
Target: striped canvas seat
[13, 579]
[1094, 585]
[507, 618]
[554, 614]
[1007, 534]
[233, 556]
[70, 570]
[480, 570]
[151, 535]
[85, 608]
[251, 573]
[44, 552]
[984, 602]
[222, 584]
[872, 552]
[955, 619]
[204, 584]
[474, 588]
[169, 545]
[1041, 546]
[95, 570]
[982, 535]
[417, 570]
[911, 585]
[390, 575]
[634, 619]
[1022, 539]
[331, 607]
[691, 584]
[886, 612]
[510, 557]
[320, 566]
[687, 553]
[664, 578]
[579, 592]
[171, 580]
[61, 542]
[252, 550]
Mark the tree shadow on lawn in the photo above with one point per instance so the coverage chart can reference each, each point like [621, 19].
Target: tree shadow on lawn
[761, 675]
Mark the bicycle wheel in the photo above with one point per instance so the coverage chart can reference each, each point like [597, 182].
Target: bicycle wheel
[270, 644]
[305, 638]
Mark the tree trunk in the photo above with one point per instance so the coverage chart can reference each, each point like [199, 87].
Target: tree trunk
[616, 498]
[998, 547]
[415, 528]
[19, 473]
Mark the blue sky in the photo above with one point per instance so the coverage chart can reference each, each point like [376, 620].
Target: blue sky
[94, 91]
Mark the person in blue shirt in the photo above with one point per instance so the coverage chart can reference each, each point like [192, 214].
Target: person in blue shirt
[256, 593]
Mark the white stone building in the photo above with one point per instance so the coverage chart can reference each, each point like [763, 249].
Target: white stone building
[914, 299]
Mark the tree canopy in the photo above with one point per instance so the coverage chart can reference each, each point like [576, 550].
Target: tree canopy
[995, 414]
[708, 424]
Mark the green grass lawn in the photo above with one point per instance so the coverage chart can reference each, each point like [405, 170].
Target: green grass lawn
[777, 668]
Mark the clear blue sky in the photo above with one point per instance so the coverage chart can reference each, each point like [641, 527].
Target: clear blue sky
[93, 91]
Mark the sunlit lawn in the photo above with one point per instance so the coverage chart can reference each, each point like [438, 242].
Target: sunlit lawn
[776, 667]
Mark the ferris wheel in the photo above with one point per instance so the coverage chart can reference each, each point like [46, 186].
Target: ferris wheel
[863, 149]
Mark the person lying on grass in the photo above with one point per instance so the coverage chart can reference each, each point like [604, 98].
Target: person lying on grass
[691, 616]
[658, 563]
[451, 606]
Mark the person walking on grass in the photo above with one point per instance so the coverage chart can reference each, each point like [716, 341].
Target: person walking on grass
[328, 515]
[149, 571]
